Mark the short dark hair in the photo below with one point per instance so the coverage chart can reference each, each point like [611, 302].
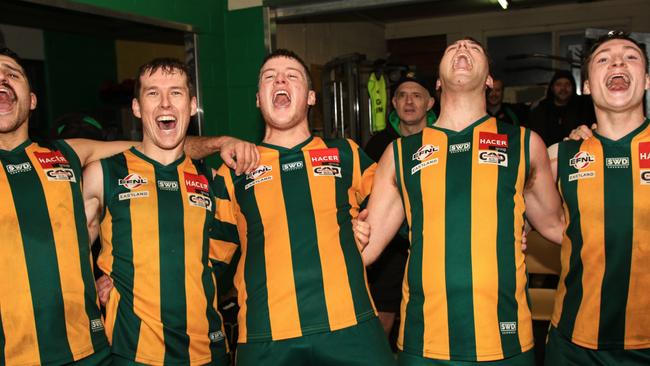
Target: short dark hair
[167, 65]
[282, 52]
[473, 40]
[5, 51]
[609, 36]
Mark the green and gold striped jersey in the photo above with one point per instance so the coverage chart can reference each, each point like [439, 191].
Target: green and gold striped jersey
[464, 292]
[603, 298]
[156, 248]
[300, 271]
[49, 313]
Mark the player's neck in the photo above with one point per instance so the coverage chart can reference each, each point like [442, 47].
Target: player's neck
[162, 156]
[410, 129]
[460, 109]
[287, 138]
[11, 140]
[615, 125]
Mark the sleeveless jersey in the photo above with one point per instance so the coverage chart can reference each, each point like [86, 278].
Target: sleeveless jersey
[603, 298]
[49, 313]
[155, 247]
[300, 270]
[464, 291]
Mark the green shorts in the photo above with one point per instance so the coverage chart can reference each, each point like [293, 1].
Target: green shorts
[363, 344]
[523, 359]
[101, 358]
[561, 351]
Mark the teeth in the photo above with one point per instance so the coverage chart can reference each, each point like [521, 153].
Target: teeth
[610, 79]
[166, 119]
[281, 92]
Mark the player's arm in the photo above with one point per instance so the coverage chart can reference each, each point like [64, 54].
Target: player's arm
[543, 205]
[240, 155]
[93, 195]
[552, 156]
[385, 210]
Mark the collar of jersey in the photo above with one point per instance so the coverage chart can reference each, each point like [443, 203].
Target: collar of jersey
[292, 149]
[465, 130]
[144, 157]
[625, 139]
[17, 149]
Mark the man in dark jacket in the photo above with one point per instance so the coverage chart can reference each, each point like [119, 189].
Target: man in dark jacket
[562, 110]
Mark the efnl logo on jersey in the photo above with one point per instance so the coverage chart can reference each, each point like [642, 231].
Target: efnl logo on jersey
[326, 162]
[198, 191]
[644, 162]
[492, 148]
[132, 181]
[579, 161]
[55, 166]
[258, 176]
[424, 155]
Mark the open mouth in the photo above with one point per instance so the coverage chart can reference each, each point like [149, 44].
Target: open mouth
[7, 98]
[166, 122]
[281, 98]
[618, 82]
[462, 62]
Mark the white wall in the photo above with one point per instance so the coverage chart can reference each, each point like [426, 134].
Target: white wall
[241, 4]
[26, 42]
[318, 43]
[632, 15]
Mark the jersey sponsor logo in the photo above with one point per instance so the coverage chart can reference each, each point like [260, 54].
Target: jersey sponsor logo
[620, 162]
[489, 141]
[644, 162]
[132, 181]
[326, 162]
[327, 171]
[425, 151]
[198, 191]
[492, 148]
[55, 166]
[18, 168]
[216, 336]
[458, 148]
[581, 160]
[294, 165]
[259, 172]
[168, 185]
[582, 175]
[423, 165]
[96, 325]
[131, 195]
[493, 157]
[508, 327]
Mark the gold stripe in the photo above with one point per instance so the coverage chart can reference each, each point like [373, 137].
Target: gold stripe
[336, 285]
[196, 304]
[432, 182]
[524, 316]
[282, 299]
[146, 263]
[485, 271]
[407, 213]
[637, 316]
[58, 197]
[591, 207]
[21, 341]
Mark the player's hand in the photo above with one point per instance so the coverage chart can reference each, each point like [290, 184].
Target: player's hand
[581, 132]
[104, 287]
[524, 235]
[242, 156]
[361, 230]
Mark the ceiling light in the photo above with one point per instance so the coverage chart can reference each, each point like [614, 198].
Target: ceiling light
[503, 3]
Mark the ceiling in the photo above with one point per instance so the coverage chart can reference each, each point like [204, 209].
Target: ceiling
[385, 11]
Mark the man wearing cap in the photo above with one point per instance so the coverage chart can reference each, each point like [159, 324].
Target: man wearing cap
[412, 101]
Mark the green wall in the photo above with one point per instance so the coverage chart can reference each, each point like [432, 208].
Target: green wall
[76, 62]
[230, 47]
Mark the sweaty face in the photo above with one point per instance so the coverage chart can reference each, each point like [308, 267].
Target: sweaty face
[411, 102]
[165, 106]
[283, 94]
[495, 95]
[618, 76]
[562, 90]
[464, 65]
[16, 100]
